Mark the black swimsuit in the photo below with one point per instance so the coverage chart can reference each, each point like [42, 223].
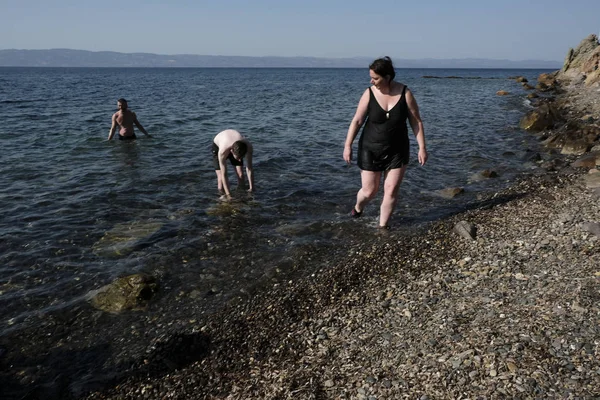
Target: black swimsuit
[384, 143]
[132, 137]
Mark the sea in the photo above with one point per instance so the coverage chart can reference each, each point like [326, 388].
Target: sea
[78, 211]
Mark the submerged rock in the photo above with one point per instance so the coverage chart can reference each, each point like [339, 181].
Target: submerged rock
[131, 292]
[450, 193]
[485, 174]
[224, 209]
[123, 238]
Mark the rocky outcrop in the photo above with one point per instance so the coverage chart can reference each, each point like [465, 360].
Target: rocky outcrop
[582, 63]
[566, 114]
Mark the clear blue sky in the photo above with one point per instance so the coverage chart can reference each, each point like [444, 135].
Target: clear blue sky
[499, 29]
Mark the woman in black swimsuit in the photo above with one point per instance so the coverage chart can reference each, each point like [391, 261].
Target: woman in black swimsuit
[383, 147]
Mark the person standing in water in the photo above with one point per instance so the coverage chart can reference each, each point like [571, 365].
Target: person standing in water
[383, 148]
[125, 119]
[231, 145]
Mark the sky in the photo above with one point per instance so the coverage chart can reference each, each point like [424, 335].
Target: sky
[440, 29]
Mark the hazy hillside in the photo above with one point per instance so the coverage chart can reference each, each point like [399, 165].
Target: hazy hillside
[82, 58]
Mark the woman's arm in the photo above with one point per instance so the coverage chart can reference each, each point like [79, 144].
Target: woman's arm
[414, 118]
[357, 122]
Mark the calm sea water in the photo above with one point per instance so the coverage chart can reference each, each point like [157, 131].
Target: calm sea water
[78, 211]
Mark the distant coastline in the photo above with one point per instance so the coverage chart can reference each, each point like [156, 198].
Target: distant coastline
[84, 58]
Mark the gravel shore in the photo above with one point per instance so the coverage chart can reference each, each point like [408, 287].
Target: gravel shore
[512, 313]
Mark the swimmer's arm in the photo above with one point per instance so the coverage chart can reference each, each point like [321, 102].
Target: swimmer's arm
[223, 167]
[113, 127]
[416, 124]
[249, 170]
[140, 127]
[357, 122]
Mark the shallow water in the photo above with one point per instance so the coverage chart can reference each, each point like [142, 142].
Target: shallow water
[78, 211]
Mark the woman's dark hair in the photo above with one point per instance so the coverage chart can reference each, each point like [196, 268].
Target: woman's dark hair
[383, 67]
[239, 149]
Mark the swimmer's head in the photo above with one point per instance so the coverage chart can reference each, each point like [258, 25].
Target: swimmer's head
[239, 149]
[122, 103]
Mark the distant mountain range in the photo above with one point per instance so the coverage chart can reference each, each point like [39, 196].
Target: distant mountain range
[84, 58]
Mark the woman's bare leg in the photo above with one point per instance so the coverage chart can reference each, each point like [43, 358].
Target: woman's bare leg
[370, 186]
[391, 183]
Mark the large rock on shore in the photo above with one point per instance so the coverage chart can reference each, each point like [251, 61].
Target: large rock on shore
[546, 81]
[582, 63]
[589, 161]
[575, 147]
[540, 119]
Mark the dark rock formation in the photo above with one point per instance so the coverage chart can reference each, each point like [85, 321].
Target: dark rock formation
[540, 119]
[126, 293]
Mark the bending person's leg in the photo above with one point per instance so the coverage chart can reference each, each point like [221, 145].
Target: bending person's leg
[391, 184]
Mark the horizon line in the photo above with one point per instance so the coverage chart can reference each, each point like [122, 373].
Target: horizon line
[272, 56]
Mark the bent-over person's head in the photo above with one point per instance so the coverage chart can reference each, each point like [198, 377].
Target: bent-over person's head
[239, 149]
[383, 67]
[122, 103]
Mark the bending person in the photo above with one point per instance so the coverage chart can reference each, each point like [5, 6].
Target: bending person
[231, 145]
[383, 148]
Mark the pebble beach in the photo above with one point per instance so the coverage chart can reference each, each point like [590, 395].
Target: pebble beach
[514, 313]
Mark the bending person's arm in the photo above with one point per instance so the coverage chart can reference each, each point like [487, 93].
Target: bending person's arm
[223, 167]
[249, 170]
[414, 118]
[357, 122]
